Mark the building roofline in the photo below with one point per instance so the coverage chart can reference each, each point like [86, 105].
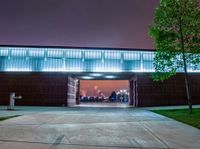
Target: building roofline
[77, 47]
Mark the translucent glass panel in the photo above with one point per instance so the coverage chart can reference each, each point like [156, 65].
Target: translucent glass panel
[62, 65]
[74, 60]
[36, 53]
[132, 66]
[191, 68]
[147, 62]
[106, 66]
[17, 64]
[73, 53]
[92, 54]
[74, 65]
[132, 55]
[148, 56]
[4, 52]
[55, 53]
[112, 54]
[18, 52]
[53, 65]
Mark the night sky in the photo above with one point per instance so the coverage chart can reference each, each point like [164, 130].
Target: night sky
[86, 23]
[83, 23]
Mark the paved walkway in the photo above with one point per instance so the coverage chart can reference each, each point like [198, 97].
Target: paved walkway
[93, 128]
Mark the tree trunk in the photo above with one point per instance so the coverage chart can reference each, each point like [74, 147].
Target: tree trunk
[185, 67]
[187, 85]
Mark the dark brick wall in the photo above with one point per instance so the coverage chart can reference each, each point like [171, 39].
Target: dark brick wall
[56, 89]
[170, 92]
[37, 89]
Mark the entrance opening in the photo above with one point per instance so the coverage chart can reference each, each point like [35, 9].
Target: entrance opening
[104, 93]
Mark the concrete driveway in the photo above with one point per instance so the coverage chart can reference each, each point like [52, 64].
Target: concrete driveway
[94, 128]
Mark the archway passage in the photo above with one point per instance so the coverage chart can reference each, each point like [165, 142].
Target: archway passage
[104, 93]
[102, 89]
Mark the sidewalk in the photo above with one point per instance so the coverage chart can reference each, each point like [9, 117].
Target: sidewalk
[94, 128]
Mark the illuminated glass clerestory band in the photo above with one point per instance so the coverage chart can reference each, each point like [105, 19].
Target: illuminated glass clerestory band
[33, 59]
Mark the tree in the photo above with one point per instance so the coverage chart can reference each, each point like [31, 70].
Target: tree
[177, 38]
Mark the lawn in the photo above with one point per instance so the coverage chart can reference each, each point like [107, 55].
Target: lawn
[183, 115]
[7, 117]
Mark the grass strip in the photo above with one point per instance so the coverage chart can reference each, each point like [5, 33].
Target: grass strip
[182, 115]
[8, 117]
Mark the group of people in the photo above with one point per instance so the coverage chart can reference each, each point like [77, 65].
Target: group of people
[121, 96]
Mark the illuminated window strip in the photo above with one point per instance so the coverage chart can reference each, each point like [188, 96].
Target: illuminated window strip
[4, 52]
[75, 60]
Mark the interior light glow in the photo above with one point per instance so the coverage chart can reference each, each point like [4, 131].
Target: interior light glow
[92, 54]
[55, 53]
[61, 70]
[54, 70]
[36, 53]
[18, 52]
[18, 70]
[87, 77]
[112, 55]
[191, 70]
[106, 70]
[95, 62]
[4, 52]
[96, 74]
[110, 77]
[73, 54]
[132, 56]
[143, 70]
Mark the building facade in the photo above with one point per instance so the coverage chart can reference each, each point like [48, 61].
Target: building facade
[50, 75]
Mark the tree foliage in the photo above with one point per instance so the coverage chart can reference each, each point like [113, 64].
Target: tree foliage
[177, 37]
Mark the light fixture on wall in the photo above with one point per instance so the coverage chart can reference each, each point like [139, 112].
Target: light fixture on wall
[87, 77]
[110, 77]
[96, 74]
